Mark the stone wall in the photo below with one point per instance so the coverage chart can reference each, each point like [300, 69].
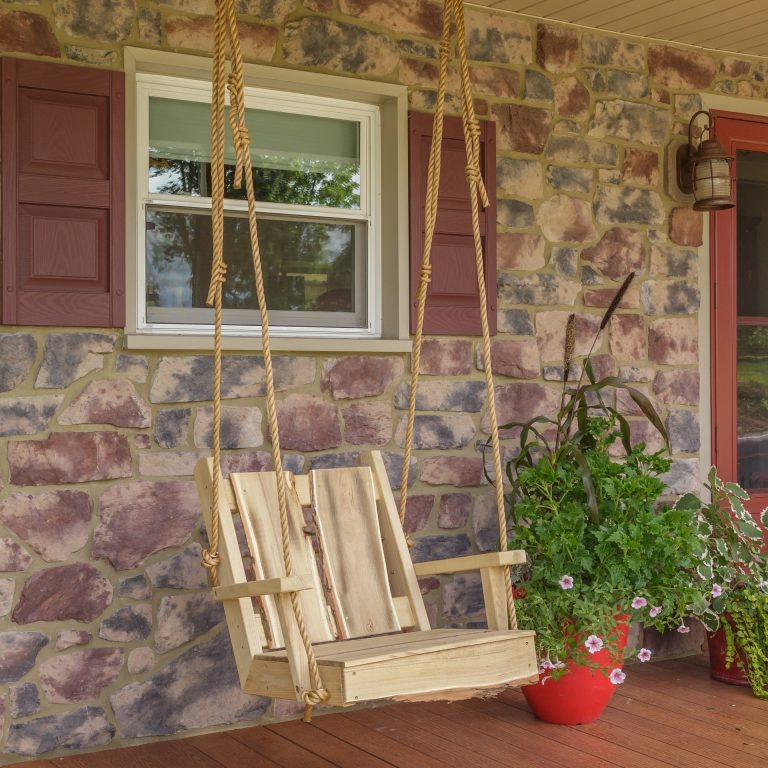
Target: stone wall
[108, 632]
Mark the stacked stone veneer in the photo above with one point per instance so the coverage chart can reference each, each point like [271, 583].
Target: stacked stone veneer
[108, 632]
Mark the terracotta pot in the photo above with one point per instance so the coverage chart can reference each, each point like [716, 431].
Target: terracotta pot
[733, 675]
[580, 695]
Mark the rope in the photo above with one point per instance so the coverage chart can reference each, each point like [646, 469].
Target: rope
[454, 10]
[226, 31]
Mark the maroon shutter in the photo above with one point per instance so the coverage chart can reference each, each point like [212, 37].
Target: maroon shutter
[452, 301]
[63, 195]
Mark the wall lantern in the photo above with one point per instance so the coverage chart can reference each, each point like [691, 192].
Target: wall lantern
[705, 171]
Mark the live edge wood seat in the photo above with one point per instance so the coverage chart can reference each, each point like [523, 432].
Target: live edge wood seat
[362, 604]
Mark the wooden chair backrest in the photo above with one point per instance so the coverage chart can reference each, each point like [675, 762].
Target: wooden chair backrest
[344, 503]
[256, 496]
[368, 586]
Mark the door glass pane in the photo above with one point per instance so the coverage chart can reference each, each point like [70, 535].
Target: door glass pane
[752, 233]
[752, 405]
[309, 267]
[297, 158]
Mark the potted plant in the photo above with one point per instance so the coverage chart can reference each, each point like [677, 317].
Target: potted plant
[734, 573]
[603, 549]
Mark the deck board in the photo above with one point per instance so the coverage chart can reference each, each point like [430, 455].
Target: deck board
[666, 714]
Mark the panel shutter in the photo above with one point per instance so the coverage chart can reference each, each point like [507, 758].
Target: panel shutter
[63, 195]
[452, 301]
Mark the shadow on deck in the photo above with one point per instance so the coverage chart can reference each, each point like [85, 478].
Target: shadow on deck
[666, 714]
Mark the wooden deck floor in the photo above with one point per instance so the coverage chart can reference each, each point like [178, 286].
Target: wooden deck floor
[666, 714]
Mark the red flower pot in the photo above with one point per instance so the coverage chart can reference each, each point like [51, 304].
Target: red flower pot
[733, 675]
[580, 695]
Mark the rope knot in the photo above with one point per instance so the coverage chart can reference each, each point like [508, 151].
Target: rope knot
[426, 273]
[311, 698]
[472, 172]
[218, 278]
[210, 559]
[242, 137]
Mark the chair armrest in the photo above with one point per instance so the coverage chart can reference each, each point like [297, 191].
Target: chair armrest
[471, 562]
[264, 587]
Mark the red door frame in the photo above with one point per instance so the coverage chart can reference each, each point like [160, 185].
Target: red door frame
[735, 131]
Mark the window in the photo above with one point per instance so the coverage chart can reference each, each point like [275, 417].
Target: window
[328, 158]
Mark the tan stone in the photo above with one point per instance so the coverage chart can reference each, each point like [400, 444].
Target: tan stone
[405, 17]
[566, 219]
[169, 463]
[602, 297]
[318, 42]
[686, 226]
[446, 357]
[519, 251]
[628, 205]
[572, 99]
[22, 32]
[520, 402]
[368, 423]
[108, 402]
[628, 120]
[670, 261]
[258, 41]
[677, 387]
[521, 128]
[55, 523]
[501, 39]
[640, 167]
[539, 289]
[750, 90]
[495, 81]
[619, 252]
[557, 48]
[518, 359]
[674, 341]
[603, 50]
[425, 74]
[680, 69]
[521, 178]
[629, 339]
[240, 427]
[670, 297]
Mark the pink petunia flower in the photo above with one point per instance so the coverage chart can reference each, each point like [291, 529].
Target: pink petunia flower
[683, 630]
[717, 590]
[594, 643]
[545, 666]
[654, 611]
[644, 654]
[639, 602]
[617, 676]
[566, 582]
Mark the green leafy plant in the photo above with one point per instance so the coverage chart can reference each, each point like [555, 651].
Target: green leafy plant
[586, 506]
[745, 624]
[729, 549]
[733, 570]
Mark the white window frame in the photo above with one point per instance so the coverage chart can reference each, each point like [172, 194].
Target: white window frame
[382, 108]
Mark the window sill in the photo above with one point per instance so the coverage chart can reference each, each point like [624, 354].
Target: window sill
[253, 343]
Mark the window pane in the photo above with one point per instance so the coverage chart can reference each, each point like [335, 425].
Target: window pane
[752, 405]
[309, 267]
[752, 233]
[297, 159]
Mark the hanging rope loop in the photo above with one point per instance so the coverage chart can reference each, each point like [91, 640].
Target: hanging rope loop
[453, 14]
[227, 34]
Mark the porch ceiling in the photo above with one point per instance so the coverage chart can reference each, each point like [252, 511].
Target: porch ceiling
[737, 26]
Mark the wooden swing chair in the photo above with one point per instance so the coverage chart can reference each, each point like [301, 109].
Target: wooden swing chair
[360, 631]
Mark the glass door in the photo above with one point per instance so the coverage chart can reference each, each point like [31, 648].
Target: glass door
[740, 312]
